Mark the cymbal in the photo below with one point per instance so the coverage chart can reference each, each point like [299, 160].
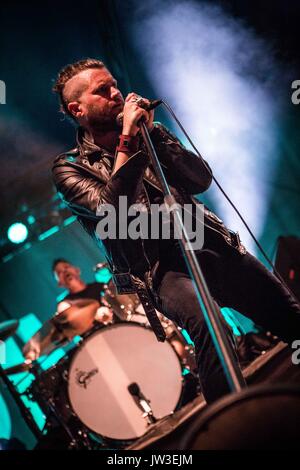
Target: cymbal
[78, 318]
[63, 327]
[22, 367]
[7, 328]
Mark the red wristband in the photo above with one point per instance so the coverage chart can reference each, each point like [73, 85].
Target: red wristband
[128, 143]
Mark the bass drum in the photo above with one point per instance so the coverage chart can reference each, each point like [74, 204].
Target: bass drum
[104, 366]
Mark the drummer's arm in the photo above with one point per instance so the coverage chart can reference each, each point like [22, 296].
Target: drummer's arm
[48, 335]
[65, 306]
[39, 343]
[67, 309]
[31, 350]
[102, 313]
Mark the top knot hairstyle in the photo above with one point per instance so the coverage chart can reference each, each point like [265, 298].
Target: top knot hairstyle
[68, 72]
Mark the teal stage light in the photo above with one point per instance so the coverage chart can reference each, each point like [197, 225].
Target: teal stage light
[103, 275]
[17, 233]
[31, 219]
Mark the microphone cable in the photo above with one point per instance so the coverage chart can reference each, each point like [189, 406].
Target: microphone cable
[277, 274]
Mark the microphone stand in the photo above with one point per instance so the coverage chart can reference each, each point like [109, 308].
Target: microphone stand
[210, 310]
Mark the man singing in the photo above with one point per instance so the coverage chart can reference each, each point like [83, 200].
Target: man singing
[109, 162]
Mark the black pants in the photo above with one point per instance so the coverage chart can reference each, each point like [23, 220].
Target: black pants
[235, 280]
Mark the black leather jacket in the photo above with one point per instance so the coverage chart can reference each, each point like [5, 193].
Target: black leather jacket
[83, 178]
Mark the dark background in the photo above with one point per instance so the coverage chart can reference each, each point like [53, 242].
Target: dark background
[36, 40]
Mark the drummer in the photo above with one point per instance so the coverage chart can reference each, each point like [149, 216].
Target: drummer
[76, 314]
[69, 276]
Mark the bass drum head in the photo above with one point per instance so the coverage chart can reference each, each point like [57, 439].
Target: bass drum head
[107, 363]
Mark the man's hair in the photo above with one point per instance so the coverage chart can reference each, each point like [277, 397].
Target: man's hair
[57, 261]
[68, 72]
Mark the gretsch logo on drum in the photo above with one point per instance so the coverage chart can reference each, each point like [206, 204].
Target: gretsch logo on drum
[84, 378]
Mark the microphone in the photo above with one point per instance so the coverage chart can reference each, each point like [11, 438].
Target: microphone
[134, 389]
[141, 402]
[142, 103]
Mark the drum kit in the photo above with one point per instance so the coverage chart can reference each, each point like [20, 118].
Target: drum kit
[115, 381]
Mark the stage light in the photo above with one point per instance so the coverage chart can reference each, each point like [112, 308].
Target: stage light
[104, 275]
[17, 233]
[31, 219]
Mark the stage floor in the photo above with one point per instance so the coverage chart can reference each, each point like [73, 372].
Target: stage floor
[275, 366]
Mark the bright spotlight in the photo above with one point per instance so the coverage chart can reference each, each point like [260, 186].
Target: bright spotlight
[17, 233]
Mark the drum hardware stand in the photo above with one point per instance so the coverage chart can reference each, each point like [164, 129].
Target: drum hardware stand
[149, 416]
[142, 402]
[210, 310]
[27, 416]
[50, 406]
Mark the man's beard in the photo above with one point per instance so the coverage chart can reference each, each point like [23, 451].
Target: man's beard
[103, 123]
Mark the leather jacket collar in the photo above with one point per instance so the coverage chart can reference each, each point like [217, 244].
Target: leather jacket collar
[87, 148]
[86, 145]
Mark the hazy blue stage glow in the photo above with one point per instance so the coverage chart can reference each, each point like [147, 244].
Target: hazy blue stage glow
[220, 79]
